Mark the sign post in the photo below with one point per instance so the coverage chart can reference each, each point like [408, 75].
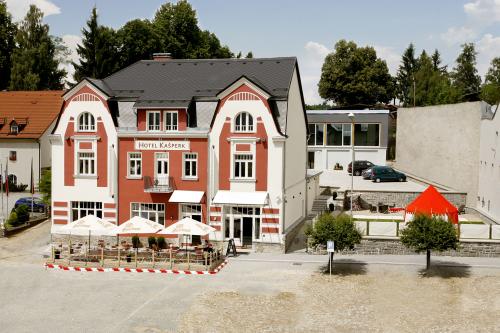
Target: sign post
[330, 248]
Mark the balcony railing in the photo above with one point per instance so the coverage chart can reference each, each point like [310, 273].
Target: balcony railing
[158, 184]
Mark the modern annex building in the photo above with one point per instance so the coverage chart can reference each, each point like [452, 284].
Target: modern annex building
[222, 141]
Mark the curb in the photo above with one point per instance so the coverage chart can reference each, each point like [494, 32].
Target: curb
[136, 270]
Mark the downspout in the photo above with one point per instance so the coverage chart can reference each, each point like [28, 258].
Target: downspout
[40, 161]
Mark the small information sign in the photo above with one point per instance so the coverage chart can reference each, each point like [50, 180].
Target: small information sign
[330, 246]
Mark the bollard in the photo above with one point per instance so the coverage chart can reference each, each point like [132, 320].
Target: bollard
[136, 258]
[118, 255]
[153, 259]
[170, 254]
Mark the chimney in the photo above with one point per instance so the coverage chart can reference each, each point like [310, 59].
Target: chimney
[162, 56]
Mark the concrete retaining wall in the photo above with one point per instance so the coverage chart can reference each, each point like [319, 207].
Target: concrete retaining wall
[402, 199]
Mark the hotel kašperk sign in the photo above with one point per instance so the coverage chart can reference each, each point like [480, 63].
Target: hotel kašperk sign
[161, 145]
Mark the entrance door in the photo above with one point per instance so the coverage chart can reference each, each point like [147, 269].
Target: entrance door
[247, 231]
[237, 230]
[161, 169]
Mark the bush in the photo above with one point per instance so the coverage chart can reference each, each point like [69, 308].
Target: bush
[136, 242]
[13, 221]
[45, 187]
[340, 229]
[23, 213]
[151, 242]
[15, 188]
[160, 241]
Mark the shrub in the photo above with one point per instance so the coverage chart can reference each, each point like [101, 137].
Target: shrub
[151, 242]
[340, 229]
[136, 242]
[45, 187]
[23, 214]
[13, 220]
[161, 242]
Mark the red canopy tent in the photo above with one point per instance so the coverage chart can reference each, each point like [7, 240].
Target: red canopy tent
[431, 202]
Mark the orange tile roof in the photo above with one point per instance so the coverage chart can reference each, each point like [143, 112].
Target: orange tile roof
[36, 109]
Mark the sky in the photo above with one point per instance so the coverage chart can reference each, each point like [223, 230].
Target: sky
[305, 29]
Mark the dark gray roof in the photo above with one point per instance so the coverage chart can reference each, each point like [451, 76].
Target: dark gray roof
[176, 81]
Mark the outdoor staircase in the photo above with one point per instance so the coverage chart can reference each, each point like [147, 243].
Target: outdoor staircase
[319, 206]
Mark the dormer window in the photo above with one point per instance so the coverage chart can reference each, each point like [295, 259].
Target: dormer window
[243, 122]
[86, 122]
[153, 121]
[14, 128]
[171, 120]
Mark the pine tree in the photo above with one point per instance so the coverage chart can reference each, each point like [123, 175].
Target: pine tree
[36, 59]
[465, 77]
[7, 35]
[98, 52]
[436, 61]
[405, 75]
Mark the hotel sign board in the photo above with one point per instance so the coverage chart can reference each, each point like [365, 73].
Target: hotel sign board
[161, 145]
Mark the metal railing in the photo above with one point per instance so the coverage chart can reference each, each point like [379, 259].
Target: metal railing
[158, 184]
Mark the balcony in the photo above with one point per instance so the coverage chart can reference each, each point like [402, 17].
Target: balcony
[158, 184]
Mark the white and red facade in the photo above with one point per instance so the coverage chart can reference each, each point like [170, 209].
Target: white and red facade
[239, 169]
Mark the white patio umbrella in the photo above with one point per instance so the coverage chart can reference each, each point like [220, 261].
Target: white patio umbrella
[138, 225]
[187, 226]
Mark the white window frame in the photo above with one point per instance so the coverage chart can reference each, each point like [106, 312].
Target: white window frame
[157, 211]
[90, 122]
[90, 207]
[246, 162]
[365, 126]
[14, 128]
[247, 128]
[137, 164]
[192, 160]
[148, 129]
[313, 134]
[172, 127]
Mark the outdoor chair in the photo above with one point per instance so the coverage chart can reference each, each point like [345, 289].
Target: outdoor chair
[461, 209]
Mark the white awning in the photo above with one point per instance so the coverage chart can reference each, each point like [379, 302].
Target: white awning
[241, 198]
[186, 196]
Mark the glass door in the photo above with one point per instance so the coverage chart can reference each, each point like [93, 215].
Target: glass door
[161, 169]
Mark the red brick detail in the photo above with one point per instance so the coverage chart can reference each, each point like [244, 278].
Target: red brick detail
[270, 230]
[215, 218]
[109, 214]
[60, 204]
[109, 205]
[242, 147]
[58, 221]
[60, 213]
[85, 145]
[217, 227]
[270, 210]
[69, 155]
[270, 220]
[215, 209]
[102, 156]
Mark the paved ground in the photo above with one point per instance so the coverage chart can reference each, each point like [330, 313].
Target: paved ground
[342, 180]
[254, 293]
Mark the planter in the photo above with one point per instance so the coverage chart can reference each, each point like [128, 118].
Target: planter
[129, 258]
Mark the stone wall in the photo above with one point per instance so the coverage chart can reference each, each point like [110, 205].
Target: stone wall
[394, 246]
[402, 199]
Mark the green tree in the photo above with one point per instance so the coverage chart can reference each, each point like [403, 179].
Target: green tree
[405, 75]
[426, 233]
[37, 56]
[322, 106]
[465, 77]
[490, 92]
[137, 40]
[249, 55]
[177, 26]
[99, 56]
[7, 44]
[354, 75]
[45, 186]
[340, 229]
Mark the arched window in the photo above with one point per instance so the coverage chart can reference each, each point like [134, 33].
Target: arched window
[243, 123]
[86, 122]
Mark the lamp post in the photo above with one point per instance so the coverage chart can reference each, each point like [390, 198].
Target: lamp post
[351, 117]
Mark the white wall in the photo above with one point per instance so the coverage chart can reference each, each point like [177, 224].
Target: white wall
[26, 151]
[46, 155]
[489, 168]
[326, 158]
[313, 191]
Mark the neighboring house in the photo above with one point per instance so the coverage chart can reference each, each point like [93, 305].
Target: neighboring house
[26, 120]
[222, 141]
[329, 141]
[455, 146]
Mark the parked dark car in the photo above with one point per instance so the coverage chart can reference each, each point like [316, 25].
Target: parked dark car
[367, 174]
[387, 174]
[38, 204]
[359, 166]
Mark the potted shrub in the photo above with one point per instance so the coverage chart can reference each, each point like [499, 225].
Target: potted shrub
[151, 242]
[160, 241]
[136, 242]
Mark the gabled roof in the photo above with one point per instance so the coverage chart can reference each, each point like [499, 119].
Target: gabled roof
[35, 110]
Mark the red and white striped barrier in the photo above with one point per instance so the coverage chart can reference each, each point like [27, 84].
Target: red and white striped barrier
[136, 270]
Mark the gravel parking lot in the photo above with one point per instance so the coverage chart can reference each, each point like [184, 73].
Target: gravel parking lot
[253, 293]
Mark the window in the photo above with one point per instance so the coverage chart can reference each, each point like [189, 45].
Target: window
[171, 120]
[334, 134]
[86, 163]
[14, 128]
[12, 155]
[12, 179]
[153, 120]
[243, 166]
[310, 159]
[316, 134]
[190, 165]
[366, 135]
[134, 164]
[81, 209]
[86, 122]
[243, 122]
[346, 130]
[152, 211]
